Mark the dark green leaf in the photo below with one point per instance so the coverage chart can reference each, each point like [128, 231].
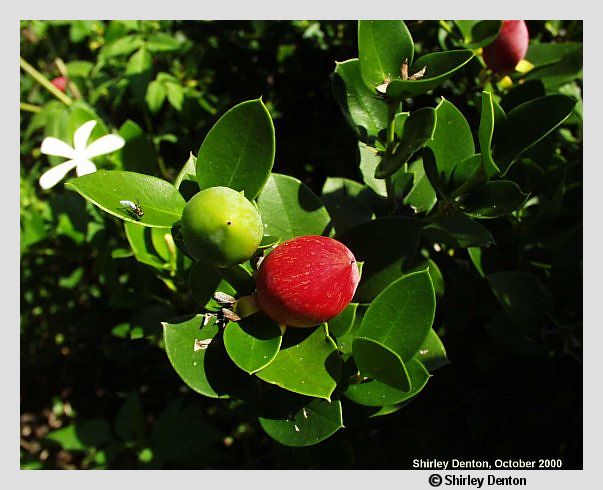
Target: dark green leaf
[198, 356]
[138, 153]
[253, 342]
[522, 296]
[401, 316]
[494, 199]
[307, 364]
[432, 353]
[528, 123]
[516, 339]
[422, 196]
[148, 244]
[364, 111]
[343, 322]
[479, 33]
[373, 393]
[475, 254]
[138, 71]
[418, 129]
[238, 151]
[161, 202]
[523, 92]
[345, 204]
[485, 133]
[452, 139]
[188, 173]
[295, 420]
[383, 45]
[398, 240]
[82, 436]
[458, 231]
[439, 67]
[375, 360]
[130, 423]
[289, 208]
[345, 341]
[181, 434]
[466, 170]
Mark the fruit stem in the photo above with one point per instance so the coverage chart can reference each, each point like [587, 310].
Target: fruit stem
[42, 80]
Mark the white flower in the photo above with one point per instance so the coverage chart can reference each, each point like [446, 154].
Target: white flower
[79, 156]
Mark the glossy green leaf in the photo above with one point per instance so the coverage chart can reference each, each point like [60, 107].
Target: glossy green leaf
[458, 231]
[343, 322]
[418, 129]
[466, 170]
[364, 111]
[528, 123]
[161, 202]
[493, 199]
[197, 354]
[522, 296]
[373, 393]
[375, 360]
[369, 160]
[238, 152]
[523, 92]
[432, 353]
[289, 208]
[308, 364]
[188, 173]
[345, 340]
[345, 203]
[295, 420]
[478, 33]
[452, 139]
[253, 342]
[401, 316]
[147, 249]
[398, 240]
[438, 68]
[485, 134]
[475, 254]
[422, 196]
[383, 45]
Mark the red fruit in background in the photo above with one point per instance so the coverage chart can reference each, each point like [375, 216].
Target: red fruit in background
[60, 83]
[306, 281]
[509, 48]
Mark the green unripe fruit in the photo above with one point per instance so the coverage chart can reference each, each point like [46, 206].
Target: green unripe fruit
[221, 227]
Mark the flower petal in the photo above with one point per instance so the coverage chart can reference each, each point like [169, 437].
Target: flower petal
[85, 167]
[105, 144]
[54, 175]
[82, 135]
[56, 147]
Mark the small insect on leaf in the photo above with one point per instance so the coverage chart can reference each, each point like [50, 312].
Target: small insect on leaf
[133, 209]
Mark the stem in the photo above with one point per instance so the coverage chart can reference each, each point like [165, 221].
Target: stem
[42, 80]
[30, 107]
[72, 86]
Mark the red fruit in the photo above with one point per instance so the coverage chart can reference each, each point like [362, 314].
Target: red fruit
[508, 48]
[60, 83]
[306, 281]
